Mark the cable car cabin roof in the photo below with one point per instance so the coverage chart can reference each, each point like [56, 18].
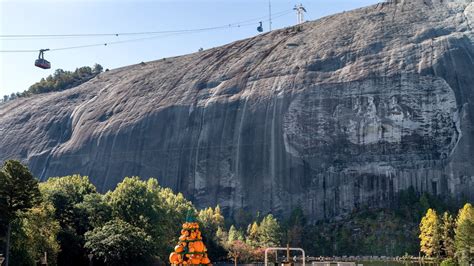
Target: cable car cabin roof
[43, 63]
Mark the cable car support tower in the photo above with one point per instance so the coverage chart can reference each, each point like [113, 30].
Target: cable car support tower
[300, 10]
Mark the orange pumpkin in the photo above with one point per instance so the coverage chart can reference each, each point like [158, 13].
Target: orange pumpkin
[182, 238]
[178, 249]
[195, 261]
[174, 258]
[198, 246]
[205, 260]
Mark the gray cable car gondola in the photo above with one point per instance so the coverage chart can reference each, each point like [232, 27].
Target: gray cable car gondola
[260, 28]
[41, 62]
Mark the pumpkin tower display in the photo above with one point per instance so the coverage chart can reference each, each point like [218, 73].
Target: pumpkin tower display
[190, 249]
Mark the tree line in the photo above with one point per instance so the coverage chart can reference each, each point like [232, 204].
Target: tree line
[134, 224]
[137, 223]
[59, 81]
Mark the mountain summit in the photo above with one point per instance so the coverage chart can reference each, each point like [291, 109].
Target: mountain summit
[330, 115]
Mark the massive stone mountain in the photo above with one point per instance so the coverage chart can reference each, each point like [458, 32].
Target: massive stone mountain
[333, 115]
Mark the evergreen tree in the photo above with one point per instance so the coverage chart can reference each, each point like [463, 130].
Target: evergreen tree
[424, 203]
[232, 234]
[430, 237]
[97, 69]
[447, 235]
[464, 239]
[222, 236]
[235, 234]
[269, 232]
[18, 192]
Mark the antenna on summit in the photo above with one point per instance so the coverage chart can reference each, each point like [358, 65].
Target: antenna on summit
[270, 15]
[300, 10]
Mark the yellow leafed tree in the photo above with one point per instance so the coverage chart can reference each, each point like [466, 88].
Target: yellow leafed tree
[464, 239]
[430, 234]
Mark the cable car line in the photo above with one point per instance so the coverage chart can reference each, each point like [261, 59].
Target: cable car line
[137, 39]
[114, 42]
[89, 45]
[46, 36]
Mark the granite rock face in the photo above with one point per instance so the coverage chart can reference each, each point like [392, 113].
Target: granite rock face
[337, 114]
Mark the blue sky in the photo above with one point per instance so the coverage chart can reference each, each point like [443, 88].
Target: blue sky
[17, 72]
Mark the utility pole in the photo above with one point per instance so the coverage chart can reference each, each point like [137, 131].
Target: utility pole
[270, 15]
[300, 10]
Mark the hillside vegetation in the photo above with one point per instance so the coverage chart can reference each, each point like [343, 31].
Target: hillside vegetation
[59, 81]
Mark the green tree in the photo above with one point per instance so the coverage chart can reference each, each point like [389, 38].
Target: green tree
[447, 235]
[430, 237]
[61, 80]
[65, 194]
[174, 208]
[222, 236]
[36, 233]
[97, 69]
[269, 232]
[96, 209]
[134, 203]
[138, 203]
[18, 192]
[235, 234]
[464, 239]
[119, 243]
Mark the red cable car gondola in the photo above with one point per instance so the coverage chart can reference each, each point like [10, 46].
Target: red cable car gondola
[41, 62]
